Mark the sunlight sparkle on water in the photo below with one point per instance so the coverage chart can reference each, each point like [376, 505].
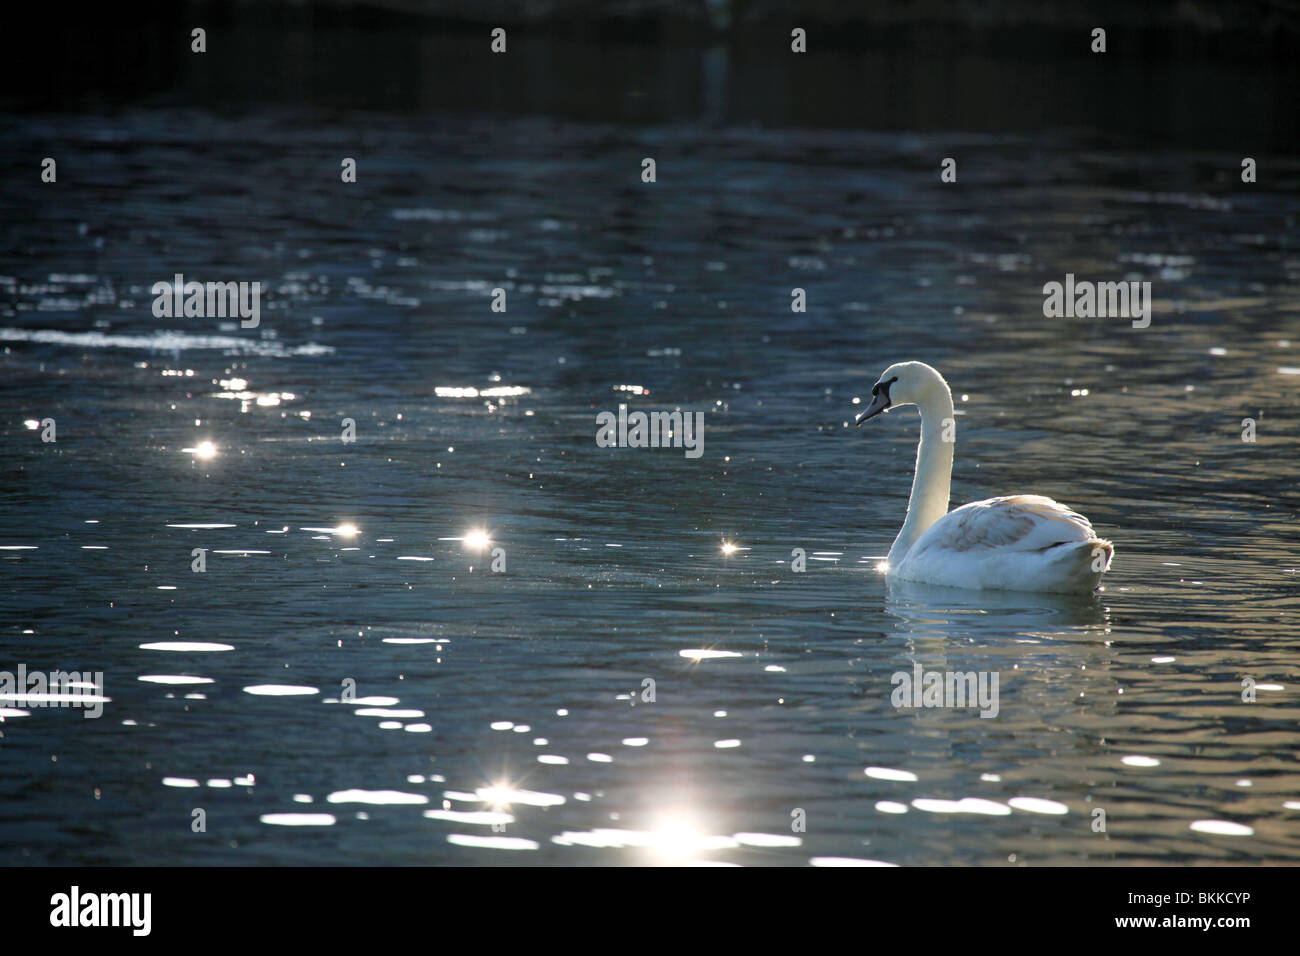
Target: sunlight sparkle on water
[675, 838]
[501, 796]
[496, 796]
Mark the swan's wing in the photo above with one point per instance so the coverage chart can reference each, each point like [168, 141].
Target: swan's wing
[1017, 523]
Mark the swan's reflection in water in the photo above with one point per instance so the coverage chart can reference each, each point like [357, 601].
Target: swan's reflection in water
[1029, 639]
[962, 612]
[1020, 664]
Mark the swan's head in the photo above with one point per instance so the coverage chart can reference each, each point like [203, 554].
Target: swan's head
[905, 383]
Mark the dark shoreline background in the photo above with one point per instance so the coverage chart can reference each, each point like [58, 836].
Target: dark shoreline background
[1181, 74]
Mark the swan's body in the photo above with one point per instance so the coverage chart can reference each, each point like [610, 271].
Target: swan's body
[1016, 543]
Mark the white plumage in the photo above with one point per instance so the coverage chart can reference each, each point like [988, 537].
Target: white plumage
[1014, 543]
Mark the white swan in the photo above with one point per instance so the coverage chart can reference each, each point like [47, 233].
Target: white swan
[1017, 543]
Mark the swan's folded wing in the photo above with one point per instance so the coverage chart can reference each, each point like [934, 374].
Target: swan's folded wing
[1019, 523]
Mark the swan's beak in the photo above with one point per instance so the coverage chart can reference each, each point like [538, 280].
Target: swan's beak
[879, 403]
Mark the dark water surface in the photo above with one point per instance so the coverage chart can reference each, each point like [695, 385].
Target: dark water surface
[515, 698]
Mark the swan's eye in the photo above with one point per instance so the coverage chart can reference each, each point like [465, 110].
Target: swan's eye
[875, 389]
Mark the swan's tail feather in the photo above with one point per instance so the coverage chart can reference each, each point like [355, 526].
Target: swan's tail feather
[1090, 560]
[1080, 564]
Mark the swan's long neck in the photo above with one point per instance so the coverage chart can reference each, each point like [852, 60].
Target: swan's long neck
[932, 482]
